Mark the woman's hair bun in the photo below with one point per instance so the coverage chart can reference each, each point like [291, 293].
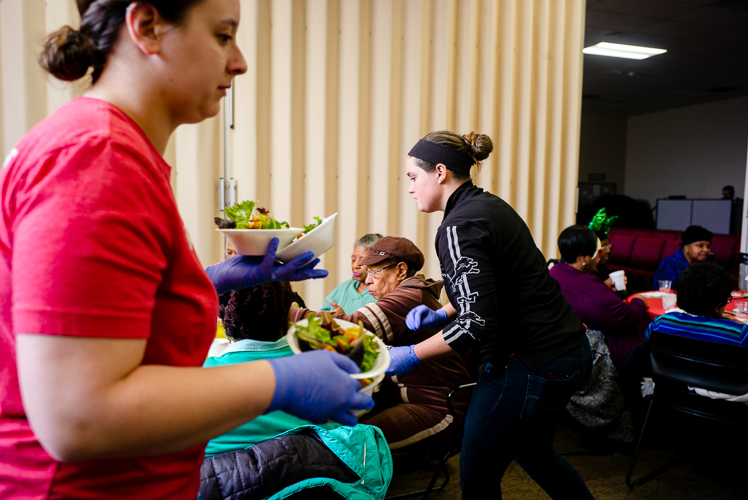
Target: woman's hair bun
[480, 145]
[67, 54]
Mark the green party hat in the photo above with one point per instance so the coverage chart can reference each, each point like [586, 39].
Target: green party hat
[601, 223]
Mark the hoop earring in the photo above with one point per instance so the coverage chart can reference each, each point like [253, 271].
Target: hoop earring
[584, 265]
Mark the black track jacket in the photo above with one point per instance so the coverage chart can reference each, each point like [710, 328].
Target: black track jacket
[497, 280]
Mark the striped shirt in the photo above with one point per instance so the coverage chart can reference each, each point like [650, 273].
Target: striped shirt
[723, 331]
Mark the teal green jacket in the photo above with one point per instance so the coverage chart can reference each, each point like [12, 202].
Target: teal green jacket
[346, 296]
[265, 426]
[363, 448]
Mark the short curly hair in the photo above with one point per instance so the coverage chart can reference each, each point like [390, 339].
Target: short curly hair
[258, 313]
[703, 287]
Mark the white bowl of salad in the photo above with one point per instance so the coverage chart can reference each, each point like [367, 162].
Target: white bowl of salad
[250, 229]
[343, 337]
[256, 241]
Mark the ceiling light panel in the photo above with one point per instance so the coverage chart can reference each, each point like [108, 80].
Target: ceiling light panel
[620, 50]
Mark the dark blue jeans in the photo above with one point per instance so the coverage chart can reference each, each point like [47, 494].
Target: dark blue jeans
[513, 415]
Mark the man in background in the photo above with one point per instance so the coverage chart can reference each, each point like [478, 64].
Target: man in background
[736, 219]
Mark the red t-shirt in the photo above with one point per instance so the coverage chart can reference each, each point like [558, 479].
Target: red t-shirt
[92, 245]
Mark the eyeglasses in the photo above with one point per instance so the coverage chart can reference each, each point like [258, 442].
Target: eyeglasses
[598, 251]
[602, 250]
[375, 272]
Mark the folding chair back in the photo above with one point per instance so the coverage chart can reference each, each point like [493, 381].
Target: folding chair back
[679, 363]
[707, 365]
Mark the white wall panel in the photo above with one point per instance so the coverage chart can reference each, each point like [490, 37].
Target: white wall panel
[348, 183]
[336, 93]
[24, 92]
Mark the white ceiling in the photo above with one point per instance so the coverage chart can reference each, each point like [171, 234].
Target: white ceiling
[706, 59]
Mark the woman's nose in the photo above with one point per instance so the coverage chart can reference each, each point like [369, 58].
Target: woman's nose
[237, 65]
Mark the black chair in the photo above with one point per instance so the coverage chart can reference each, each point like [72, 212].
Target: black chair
[679, 362]
[448, 453]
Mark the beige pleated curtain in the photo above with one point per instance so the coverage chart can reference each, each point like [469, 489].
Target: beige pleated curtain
[338, 91]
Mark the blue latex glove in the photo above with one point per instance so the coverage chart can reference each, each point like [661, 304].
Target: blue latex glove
[423, 317]
[402, 360]
[241, 271]
[315, 386]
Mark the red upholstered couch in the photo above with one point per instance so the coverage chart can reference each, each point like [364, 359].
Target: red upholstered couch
[639, 251]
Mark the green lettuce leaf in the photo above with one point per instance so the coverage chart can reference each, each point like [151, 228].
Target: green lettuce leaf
[268, 222]
[313, 334]
[241, 213]
[370, 353]
[309, 227]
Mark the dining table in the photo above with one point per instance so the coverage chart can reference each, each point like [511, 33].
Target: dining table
[655, 307]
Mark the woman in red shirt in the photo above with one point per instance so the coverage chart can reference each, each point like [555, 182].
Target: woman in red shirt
[107, 314]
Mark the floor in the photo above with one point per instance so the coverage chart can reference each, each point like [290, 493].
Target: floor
[712, 478]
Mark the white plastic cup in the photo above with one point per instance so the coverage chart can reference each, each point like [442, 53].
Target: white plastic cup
[741, 309]
[618, 280]
[668, 301]
[665, 285]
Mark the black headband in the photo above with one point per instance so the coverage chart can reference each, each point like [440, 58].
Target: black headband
[436, 153]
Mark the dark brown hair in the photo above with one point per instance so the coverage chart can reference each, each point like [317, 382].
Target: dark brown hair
[258, 313]
[703, 287]
[68, 53]
[477, 146]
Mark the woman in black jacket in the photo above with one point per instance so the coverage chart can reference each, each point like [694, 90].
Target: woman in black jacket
[503, 304]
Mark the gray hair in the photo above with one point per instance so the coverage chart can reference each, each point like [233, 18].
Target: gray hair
[367, 240]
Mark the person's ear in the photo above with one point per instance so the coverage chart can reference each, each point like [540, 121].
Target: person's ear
[402, 271]
[145, 27]
[441, 173]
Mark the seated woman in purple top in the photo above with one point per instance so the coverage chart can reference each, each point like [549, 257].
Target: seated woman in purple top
[596, 305]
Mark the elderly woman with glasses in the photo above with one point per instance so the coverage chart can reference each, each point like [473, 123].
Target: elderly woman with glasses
[411, 409]
[596, 305]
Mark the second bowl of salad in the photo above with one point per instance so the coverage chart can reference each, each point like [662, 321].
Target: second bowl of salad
[344, 337]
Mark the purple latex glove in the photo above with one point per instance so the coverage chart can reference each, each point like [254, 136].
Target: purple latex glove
[423, 317]
[241, 271]
[316, 386]
[402, 360]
